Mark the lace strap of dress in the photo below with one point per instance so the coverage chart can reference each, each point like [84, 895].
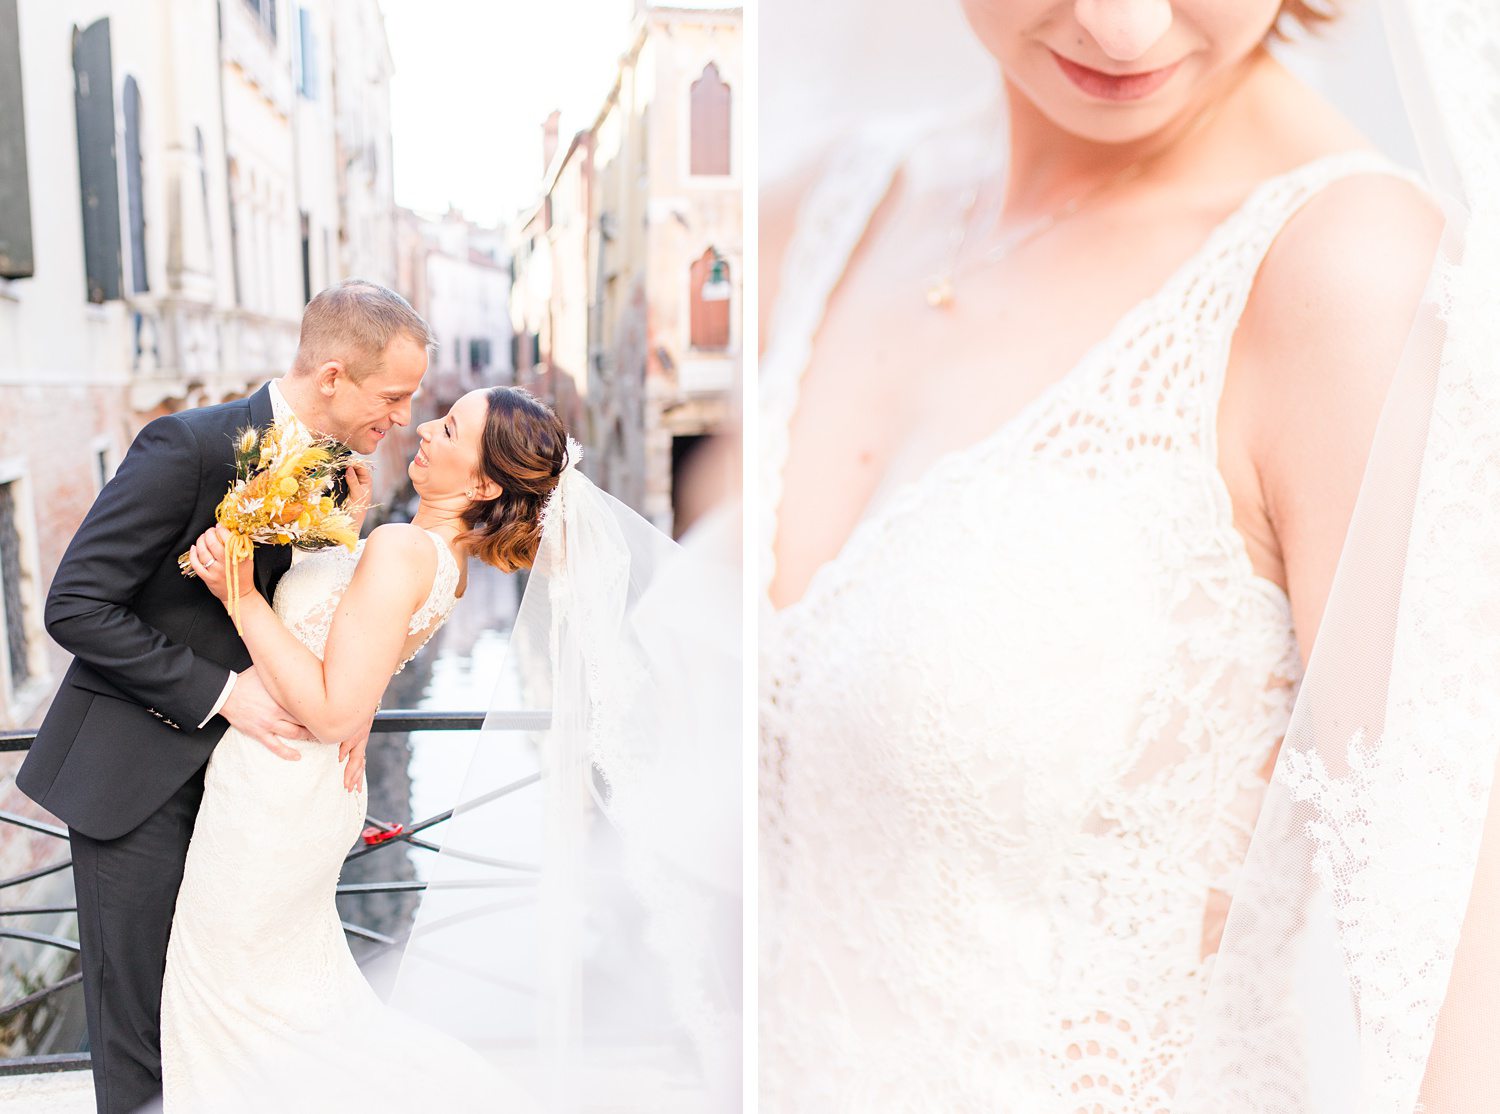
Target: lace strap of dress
[443, 595]
[830, 224]
[1218, 291]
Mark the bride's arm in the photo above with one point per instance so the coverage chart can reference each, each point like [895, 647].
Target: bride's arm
[336, 697]
[1313, 359]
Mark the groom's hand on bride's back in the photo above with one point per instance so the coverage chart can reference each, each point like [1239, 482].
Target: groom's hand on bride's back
[254, 712]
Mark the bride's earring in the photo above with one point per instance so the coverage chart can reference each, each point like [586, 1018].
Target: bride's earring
[470, 493]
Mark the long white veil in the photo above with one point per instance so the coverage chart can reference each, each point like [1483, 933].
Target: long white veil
[1355, 973]
[581, 923]
[1335, 987]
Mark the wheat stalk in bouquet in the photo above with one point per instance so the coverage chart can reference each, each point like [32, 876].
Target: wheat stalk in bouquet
[281, 496]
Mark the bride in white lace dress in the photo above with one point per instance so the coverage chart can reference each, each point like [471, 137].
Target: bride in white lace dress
[1049, 521]
[262, 996]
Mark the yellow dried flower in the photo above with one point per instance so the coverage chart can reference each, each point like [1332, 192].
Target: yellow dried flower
[310, 457]
[280, 496]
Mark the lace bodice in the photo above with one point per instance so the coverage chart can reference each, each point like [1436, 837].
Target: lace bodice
[1012, 734]
[308, 595]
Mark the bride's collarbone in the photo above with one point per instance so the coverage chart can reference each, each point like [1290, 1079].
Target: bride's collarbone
[1032, 315]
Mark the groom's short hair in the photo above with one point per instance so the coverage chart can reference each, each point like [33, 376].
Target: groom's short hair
[355, 321]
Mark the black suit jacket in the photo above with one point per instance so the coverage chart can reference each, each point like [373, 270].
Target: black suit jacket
[152, 648]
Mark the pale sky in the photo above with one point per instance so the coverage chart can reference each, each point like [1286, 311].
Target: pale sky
[475, 80]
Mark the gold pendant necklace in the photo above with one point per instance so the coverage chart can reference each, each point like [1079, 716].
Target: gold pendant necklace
[941, 288]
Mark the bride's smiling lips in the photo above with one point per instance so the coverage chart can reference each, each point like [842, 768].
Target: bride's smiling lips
[421, 457]
[1114, 87]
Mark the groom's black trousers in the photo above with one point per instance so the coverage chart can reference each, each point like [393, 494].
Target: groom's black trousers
[127, 889]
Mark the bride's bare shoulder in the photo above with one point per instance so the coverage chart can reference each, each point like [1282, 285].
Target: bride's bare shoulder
[1361, 246]
[399, 556]
[402, 540]
[1359, 250]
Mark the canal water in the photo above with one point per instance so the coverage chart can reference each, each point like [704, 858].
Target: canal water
[411, 776]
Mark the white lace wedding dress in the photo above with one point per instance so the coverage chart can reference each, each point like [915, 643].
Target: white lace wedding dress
[1013, 733]
[263, 1002]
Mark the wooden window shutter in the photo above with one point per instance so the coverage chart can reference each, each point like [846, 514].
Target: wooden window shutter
[307, 79]
[134, 199]
[94, 98]
[16, 253]
[307, 290]
[708, 321]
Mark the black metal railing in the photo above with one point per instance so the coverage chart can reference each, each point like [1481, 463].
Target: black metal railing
[379, 833]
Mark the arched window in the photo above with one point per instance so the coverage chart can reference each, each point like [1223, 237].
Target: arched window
[709, 131]
[708, 297]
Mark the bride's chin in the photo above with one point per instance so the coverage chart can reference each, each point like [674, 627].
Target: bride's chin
[1116, 126]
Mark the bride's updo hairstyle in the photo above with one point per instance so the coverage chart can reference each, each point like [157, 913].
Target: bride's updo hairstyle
[523, 451]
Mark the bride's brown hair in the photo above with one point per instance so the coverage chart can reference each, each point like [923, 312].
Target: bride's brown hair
[523, 452]
[1310, 15]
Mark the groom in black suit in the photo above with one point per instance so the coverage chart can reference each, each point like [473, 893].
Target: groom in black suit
[159, 674]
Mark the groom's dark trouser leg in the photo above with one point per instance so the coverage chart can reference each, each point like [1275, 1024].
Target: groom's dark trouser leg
[127, 889]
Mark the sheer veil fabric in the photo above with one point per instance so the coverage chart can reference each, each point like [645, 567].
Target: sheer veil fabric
[581, 925]
[1335, 986]
[1355, 972]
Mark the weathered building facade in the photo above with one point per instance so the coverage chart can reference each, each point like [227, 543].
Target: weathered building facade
[173, 188]
[626, 307]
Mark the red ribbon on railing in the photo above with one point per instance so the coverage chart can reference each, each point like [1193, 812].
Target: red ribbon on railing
[373, 835]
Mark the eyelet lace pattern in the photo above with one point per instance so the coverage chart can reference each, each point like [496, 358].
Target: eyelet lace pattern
[1012, 734]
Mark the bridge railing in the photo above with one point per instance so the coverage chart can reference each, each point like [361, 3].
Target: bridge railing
[379, 833]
